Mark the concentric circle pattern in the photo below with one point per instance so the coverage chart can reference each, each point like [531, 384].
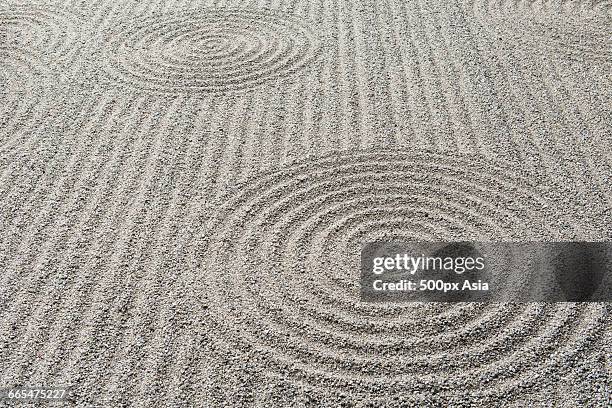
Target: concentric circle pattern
[48, 31]
[277, 271]
[577, 29]
[209, 50]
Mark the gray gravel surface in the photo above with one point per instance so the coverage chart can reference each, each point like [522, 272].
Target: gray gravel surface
[185, 186]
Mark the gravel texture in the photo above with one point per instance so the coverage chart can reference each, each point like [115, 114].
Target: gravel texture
[185, 186]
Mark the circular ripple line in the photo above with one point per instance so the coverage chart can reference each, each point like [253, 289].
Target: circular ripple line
[208, 50]
[277, 270]
[46, 31]
[578, 29]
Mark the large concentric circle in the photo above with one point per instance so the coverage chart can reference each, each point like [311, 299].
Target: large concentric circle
[277, 271]
[209, 50]
[577, 29]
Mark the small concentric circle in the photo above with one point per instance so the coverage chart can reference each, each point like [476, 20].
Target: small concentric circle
[278, 273]
[577, 29]
[209, 50]
[46, 31]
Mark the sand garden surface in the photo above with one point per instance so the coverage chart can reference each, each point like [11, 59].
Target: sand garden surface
[185, 187]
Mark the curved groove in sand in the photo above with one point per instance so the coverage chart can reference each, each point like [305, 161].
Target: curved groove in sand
[35, 41]
[43, 29]
[20, 93]
[209, 50]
